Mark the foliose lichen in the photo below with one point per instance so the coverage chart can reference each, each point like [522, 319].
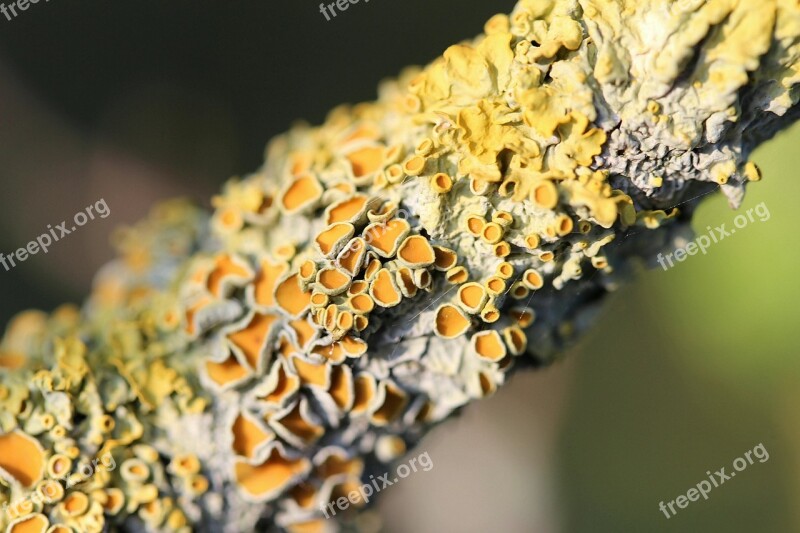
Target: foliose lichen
[237, 371]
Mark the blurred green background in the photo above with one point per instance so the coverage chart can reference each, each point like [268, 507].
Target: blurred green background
[689, 369]
[686, 370]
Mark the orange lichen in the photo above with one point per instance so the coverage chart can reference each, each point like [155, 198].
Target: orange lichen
[307, 271]
[516, 339]
[368, 131]
[135, 469]
[299, 162]
[185, 464]
[286, 345]
[564, 225]
[457, 275]
[502, 249]
[298, 424]
[22, 457]
[365, 390]
[394, 173]
[358, 287]
[353, 346]
[361, 303]
[503, 218]
[329, 317]
[349, 210]
[311, 373]
[372, 268]
[115, 500]
[341, 386]
[532, 279]
[283, 386]
[450, 322]
[192, 311]
[266, 280]
[445, 258]
[227, 270]
[479, 187]
[270, 477]
[248, 436]
[58, 465]
[319, 299]
[489, 345]
[285, 251]
[424, 147]
[75, 504]
[366, 160]
[333, 281]
[495, 285]
[519, 290]
[384, 290]
[338, 464]
[35, 523]
[11, 361]
[252, 339]
[423, 278]
[394, 401]
[492, 232]
[475, 225]
[414, 166]
[385, 238]
[545, 194]
[361, 322]
[333, 352]
[416, 252]
[523, 316]
[50, 490]
[405, 281]
[532, 241]
[332, 239]
[505, 270]
[344, 322]
[352, 256]
[301, 193]
[304, 495]
[291, 297]
[441, 183]
[471, 297]
[490, 314]
[304, 332]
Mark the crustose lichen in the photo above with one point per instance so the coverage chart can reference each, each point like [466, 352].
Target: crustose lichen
[386, 268]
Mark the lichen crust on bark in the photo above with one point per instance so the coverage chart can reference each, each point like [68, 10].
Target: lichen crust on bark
[239, 370]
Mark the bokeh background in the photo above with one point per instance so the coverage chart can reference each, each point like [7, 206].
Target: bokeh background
[139, 101]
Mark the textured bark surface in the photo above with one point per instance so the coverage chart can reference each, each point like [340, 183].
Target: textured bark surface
[240, 370]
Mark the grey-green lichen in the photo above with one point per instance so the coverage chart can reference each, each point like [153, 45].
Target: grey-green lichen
[241, 370]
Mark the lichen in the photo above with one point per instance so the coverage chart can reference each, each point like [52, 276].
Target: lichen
[386, 268]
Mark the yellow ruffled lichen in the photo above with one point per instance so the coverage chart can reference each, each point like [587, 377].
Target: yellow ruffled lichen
[385, 268]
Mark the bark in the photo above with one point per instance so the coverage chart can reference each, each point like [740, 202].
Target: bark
[243, 369]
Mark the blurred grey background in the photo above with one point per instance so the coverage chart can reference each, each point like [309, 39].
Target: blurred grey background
[135, 102]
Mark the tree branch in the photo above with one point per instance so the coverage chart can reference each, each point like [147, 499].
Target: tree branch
[243, 370]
